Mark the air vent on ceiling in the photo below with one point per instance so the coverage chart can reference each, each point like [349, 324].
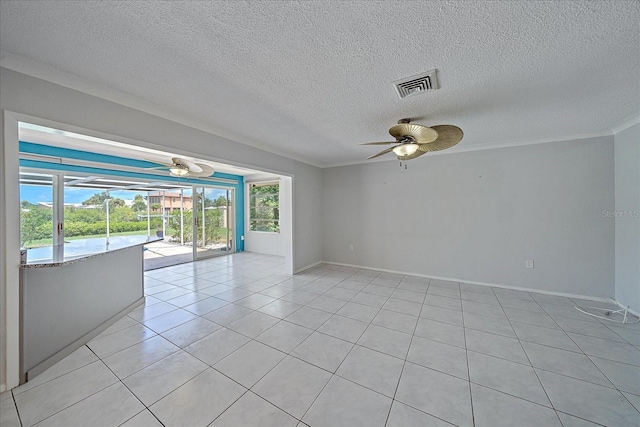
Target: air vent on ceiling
[416, 84]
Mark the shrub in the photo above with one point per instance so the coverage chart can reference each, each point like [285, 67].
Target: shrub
[88, 229]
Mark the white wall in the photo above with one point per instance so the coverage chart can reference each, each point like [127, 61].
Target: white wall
[55, 104]
[262, 242]
[9, 257]
[627, 220]
[477, 216]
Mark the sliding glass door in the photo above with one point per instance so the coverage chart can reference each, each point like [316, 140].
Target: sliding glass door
[213, 221]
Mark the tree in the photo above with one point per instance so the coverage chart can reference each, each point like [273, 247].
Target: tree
[99, 198]
[96, 199]
[35, 224]
[89, 216]
[187, 225]
[156, 206]
[220, 201]
[25, 204]
[116, 202]
[212, 223]
[139, 204]
[122, 214]
[264, 207]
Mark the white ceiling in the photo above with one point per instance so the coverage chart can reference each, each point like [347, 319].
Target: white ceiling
[311, 80]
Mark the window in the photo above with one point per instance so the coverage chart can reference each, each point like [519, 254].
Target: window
[36, 210]
[264, 207]
[50, 198]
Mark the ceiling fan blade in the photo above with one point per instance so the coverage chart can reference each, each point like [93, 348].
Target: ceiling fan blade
[421, 134]
[379, 143]
[164, 165]
[448, 136]
[206, 171]
[388, 150]
[411, 156]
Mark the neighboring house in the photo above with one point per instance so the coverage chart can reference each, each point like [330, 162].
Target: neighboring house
[171, 200]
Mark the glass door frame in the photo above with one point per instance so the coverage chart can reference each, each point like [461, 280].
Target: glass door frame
[200, 210]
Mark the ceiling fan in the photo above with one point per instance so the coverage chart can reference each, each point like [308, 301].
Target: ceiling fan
[413, 140]
[183, 167]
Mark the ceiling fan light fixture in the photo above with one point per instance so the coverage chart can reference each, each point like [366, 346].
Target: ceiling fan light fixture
[178, 170]
[405, 149]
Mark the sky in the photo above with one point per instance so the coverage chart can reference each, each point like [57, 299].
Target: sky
[41, 193]
[38, 193]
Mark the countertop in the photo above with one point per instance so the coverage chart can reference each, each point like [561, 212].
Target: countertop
[79, 250]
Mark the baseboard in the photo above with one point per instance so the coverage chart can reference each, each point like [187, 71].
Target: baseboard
[300, 270]
[471, 282]
[49, 362]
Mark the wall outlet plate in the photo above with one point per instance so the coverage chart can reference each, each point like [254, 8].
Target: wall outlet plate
[528, 263]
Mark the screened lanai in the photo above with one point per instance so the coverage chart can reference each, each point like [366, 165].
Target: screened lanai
[104, 212]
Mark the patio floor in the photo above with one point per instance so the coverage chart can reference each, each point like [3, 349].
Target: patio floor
[164, 253]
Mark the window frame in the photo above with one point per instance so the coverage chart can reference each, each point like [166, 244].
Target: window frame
[252, 208]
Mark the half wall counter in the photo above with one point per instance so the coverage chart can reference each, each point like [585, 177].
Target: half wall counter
[72, 293]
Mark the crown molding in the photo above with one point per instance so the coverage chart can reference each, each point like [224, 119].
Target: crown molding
[493, 146]
[626, 123]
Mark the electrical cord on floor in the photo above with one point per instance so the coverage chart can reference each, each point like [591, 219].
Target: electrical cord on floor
[608, 312]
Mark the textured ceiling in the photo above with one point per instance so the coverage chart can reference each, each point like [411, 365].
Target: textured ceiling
[311, 80]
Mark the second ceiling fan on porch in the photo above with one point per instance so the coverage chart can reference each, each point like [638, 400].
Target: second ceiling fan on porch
[182, 167]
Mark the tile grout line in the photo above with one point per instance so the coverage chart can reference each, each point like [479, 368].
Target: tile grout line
[466, 353]
[15, 405]
[597, 367]
[130, 391]
[286, 354]
[531, 365]
[404, 363]
[54, 378]
[85, 397]
[352, 347]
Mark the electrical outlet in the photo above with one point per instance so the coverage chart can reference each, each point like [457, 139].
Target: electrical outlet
[351, 247]
[528, 263]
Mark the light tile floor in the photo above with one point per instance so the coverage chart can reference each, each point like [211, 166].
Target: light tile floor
[233, 341]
